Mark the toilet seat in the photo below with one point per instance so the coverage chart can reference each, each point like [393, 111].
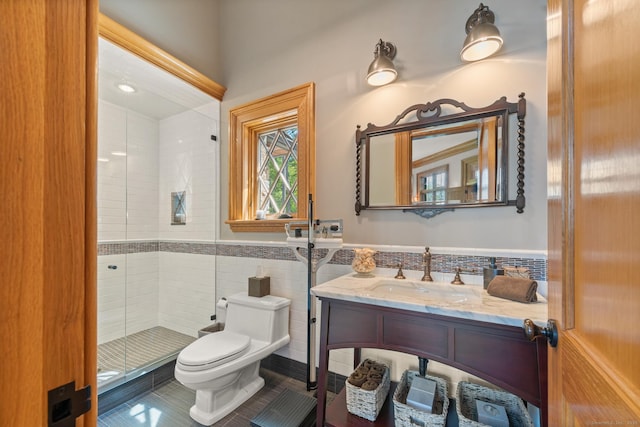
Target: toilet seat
[213, 350]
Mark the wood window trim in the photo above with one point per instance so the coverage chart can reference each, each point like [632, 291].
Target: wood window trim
[244, 121]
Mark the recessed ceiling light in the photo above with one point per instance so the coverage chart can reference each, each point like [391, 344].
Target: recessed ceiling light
[126, 87]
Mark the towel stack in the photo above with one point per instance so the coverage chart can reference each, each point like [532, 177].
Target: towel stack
[368, 375]
[513, 288]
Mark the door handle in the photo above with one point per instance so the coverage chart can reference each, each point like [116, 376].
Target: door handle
[533, 331]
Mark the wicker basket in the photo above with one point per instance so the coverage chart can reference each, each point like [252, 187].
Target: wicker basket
[407, 416]
[365, 403]
[467, 394]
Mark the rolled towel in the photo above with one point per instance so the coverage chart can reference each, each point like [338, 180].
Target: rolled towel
[357, 379]
[374, 376]
[370, 385]
[362, 369]
[513, 288]
[378, 368]
[368, 363]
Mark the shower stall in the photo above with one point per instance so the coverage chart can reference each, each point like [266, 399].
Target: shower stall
[157, 196]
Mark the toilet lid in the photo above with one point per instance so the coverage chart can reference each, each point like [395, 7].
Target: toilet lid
[213, 349]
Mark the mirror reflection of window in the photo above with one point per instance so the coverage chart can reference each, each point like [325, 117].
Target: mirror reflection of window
[470, 177]
[446, 147]
[432, 185]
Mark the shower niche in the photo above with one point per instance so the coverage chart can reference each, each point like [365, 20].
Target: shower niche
[156, 287]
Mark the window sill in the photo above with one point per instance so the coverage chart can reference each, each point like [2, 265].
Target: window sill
[261, 226]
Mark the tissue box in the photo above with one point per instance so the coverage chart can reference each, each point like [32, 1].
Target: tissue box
[492, 414]
[259, 286]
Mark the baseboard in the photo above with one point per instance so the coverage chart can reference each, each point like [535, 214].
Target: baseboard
[298, 371]
[135, 387]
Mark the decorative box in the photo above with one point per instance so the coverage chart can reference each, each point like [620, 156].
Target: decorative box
[407, 416]
[468, 393]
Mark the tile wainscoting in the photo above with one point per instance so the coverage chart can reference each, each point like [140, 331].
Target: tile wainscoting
[444, 260]
[226, 266]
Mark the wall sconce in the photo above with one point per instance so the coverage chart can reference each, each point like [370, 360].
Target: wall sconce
[483, 38]
[382, 71]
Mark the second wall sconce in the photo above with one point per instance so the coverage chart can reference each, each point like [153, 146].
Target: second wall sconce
[382, 71]
[483, 37]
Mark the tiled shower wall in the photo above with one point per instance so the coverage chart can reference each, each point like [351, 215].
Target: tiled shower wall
[145, 287]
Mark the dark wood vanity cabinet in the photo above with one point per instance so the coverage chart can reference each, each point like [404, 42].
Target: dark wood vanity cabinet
[500, 354]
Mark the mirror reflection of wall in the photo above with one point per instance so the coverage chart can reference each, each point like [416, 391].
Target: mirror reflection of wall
[382, 183]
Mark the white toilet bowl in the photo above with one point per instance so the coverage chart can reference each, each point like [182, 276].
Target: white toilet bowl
[223, 367]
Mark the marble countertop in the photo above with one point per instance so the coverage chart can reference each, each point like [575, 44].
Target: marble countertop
[461, 301]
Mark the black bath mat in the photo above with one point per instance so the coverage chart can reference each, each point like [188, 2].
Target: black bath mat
[289, 409]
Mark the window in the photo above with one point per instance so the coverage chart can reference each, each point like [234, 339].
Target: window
[272, 160]
[278, 171]
[432, 185]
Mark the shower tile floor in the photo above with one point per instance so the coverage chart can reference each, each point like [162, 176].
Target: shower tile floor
[142, 348]
[168, 405]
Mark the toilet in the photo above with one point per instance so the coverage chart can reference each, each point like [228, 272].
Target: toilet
[223, 367]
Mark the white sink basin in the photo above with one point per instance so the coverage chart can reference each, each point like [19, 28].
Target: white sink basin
[394, 288]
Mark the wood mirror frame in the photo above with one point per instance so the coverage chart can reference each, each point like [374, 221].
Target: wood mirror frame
[481, 179]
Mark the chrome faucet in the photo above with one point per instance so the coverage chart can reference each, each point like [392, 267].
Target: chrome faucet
[426, 265]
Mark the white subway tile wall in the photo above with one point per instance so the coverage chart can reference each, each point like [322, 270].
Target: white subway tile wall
[111, 297]
[112, 172]
[188, 161]
[187, 291]
[149, 287]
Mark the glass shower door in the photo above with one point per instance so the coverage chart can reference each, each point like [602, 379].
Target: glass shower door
[112, 238]
[156, 270]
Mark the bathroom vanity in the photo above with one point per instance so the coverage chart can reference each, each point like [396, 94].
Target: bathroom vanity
[461, 326]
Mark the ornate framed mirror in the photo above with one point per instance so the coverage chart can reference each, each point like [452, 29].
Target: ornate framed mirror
[439, 156]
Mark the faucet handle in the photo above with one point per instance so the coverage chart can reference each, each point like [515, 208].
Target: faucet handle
[457, 280]
[400, 275]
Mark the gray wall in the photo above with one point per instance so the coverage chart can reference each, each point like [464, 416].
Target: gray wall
[270, 46]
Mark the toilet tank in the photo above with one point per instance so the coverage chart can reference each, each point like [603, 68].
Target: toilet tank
[264, 319]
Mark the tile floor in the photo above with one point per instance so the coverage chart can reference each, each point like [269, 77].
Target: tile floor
[138, 350]
[168, 405]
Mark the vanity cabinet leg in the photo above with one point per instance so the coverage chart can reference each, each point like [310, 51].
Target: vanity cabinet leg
[357, 357]
[422, 366]
[323, 363]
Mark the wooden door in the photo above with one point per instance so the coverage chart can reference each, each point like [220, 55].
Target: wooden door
[594, 211]
[47, 219]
